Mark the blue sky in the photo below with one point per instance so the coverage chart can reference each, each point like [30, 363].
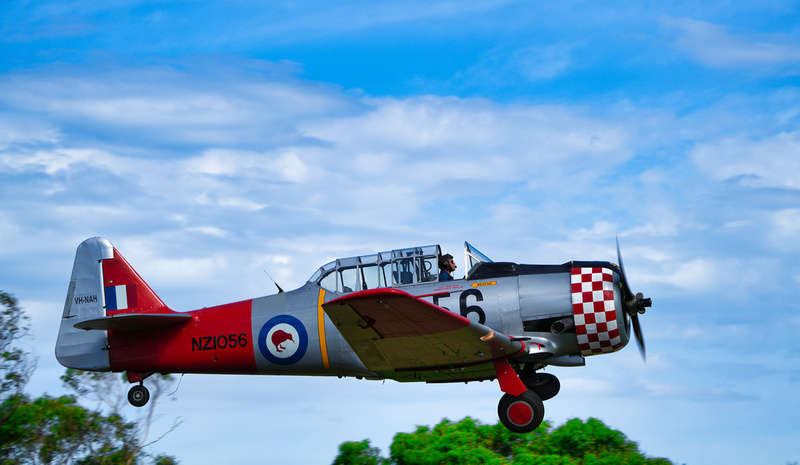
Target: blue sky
[211, 141]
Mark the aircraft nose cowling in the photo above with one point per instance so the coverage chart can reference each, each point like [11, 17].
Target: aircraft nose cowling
[600, 324]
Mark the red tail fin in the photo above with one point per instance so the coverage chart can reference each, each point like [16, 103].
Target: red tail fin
[125, 289]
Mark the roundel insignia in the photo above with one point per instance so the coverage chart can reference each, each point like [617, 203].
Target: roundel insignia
[283, 340]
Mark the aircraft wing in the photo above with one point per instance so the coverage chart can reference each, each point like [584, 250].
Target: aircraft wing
[406, 338]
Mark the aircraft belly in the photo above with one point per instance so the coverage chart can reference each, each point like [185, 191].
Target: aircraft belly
[444, 375]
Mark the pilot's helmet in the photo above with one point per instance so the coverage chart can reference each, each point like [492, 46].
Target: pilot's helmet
[445, 264]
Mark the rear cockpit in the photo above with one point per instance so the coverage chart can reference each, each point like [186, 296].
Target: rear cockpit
[400, 267]
[386, 269]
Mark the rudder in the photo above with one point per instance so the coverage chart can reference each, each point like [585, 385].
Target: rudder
[124, 288]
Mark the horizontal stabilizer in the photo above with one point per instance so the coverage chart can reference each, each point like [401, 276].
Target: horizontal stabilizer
[129, 322]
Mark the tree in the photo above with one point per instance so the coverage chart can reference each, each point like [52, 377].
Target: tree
[15, 366]
[358, 453]
[49, 430]
[109, 391]
[447, 443]
[468, 441]
[58, 430]
[594, 442]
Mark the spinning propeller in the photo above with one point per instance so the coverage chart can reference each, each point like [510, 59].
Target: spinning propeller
[632, 304]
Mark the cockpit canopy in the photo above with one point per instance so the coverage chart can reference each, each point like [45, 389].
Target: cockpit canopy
[399, 267]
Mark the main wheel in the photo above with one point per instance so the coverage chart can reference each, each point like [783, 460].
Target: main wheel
[545, 385]
[138, 396]
[521, 414]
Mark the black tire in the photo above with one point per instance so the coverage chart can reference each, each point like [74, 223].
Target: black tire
[521, 414]
[138, 396]
[545, 385]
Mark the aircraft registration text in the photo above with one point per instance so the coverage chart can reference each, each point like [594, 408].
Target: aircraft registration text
[222, 341]
[88, 299]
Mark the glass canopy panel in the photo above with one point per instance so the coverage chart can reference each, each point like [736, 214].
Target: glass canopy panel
[398, 267]
[473, 256]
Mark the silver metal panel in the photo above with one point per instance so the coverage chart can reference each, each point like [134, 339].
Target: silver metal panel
[77, 348]
[545, 295]
[508, 305]
[298, 315]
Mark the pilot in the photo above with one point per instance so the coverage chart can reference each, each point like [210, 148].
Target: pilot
[446, 267]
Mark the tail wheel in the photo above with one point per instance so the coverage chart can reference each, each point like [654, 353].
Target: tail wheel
[521, 414]
[545, 385]
[138, 396]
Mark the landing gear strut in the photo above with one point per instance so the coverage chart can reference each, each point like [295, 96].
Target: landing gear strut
[138, 395]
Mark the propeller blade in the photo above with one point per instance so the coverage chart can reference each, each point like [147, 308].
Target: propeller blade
[622, 278]
[632, 304]
[637, 330]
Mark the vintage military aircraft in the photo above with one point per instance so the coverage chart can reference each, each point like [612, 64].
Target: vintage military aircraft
[381, 316]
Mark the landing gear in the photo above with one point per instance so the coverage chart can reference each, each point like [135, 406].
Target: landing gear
[545, 385]
[138, 395]
[521, 414]
[521, 409]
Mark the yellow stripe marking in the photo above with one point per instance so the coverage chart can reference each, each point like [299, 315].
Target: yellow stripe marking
[323, 343]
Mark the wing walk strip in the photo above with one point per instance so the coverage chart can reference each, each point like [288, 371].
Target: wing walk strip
[323, 343]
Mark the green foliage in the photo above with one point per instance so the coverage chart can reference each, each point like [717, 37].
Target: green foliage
[470, 442]
[592, 441]
[358, 453]
[449, 443]
[49, 430]
[58, 430]
[15, 366]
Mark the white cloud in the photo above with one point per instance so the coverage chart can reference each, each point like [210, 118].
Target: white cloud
[714, 45]
[53, 161]
[768, 162]
[289, 167]
[696, 275]
[211, 231]
[475, 139]
[207, 200]
[226, 107]
[784, 231]
[533, 63]
[543, 62]
[17, 129]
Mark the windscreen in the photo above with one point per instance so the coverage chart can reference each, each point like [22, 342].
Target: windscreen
[473, 256]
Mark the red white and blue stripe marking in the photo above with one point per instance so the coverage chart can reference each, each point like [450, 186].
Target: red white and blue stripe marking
[121, 297]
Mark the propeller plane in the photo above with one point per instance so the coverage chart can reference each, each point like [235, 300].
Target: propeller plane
[382, 316]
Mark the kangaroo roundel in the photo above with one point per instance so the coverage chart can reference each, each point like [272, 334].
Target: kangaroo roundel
[283, 340]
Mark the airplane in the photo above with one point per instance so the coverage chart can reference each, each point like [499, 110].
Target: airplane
[382, 316]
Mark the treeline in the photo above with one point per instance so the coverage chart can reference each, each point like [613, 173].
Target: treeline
[50, 430]
[470, 442]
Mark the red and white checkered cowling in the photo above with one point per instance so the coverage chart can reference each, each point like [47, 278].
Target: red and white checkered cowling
[597, 320]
